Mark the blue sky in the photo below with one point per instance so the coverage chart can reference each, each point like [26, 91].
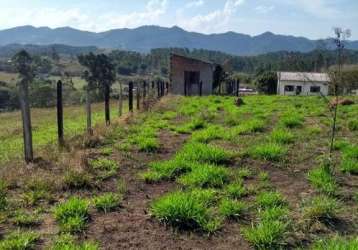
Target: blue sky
[309, 18]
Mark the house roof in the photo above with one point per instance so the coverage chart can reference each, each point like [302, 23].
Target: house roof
[303, 77]
[191, 58]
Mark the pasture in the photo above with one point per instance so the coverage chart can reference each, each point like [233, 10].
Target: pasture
[194, 172]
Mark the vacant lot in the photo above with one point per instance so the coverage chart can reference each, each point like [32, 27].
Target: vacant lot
[194, 173]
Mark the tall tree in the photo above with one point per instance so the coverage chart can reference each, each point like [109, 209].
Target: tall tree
[23, 65]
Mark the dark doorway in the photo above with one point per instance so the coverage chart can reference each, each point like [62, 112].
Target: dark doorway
[298, 90]
[191, 82]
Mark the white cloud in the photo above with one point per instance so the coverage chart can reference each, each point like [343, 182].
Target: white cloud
[195, 3]
[215, 21]
[264, 9]
[79, 18]
[317, 8]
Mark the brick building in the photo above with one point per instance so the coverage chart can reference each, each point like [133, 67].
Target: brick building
[189, 76]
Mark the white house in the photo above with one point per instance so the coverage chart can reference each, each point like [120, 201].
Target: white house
[302, 83]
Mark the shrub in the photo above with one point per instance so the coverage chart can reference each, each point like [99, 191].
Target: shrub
[292, 120]
[232, 208]
[72, 214]
[19, 240]
[336, 243]
[353, 125]
[205, 153]
[67, 242]
[266, 234]
[107, 202]
[186, 210]
[77, 180]
[322, 179]
[270, 199]
[282, 136]
[320, 207]
[269, 152]
[206, 176]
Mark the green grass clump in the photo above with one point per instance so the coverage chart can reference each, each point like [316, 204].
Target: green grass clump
[25, 219]
[340, 144]
[320, 207]
[236, 190]
[107, 167]
[3, 195]
[266, 234]
[107, 202]
[273, 213]
[148, 145]
[322, 179]
[232, 208]
[19, 240]
[270, 199]
[72, 215]
[205, 176]
[68, 242]
[37, 190]
[244, 173]
[353, 125]
[205, 153]
[349, 162]
[186, 210]
[282, 136]
[195, 124]
[292, 120]
[166, 170]
[269, 152]
[248, 127]
[336, 243]
[209, 134]
[77, 180]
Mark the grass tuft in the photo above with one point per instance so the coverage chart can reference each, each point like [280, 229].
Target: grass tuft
[322, 179]
[72, 215]
[19, 240]
[282, 136]
[232, 208]
[336, 243]
[107, 202]
[68, 242]
[269, 152]
[270, 199]
[320, 207]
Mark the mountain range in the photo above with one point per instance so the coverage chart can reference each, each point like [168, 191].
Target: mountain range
[145, 38]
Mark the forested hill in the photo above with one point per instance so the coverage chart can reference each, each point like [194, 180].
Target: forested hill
[145, 38]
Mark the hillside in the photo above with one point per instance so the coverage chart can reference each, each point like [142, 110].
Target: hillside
[145, 38]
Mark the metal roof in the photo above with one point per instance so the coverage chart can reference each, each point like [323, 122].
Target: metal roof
[191, 58]
[303, 77]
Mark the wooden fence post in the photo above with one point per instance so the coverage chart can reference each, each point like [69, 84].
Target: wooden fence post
[237, 87]
[60, 133]
[144, 92]
[167, 87]
[138, 96]
[130, 96]
[107, 90]
[88, 111]
[26, 121]
[158, 89]
[200, 88]
[120, 100]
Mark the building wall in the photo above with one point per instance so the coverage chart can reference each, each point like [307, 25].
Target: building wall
[306, 87]
[179, 65]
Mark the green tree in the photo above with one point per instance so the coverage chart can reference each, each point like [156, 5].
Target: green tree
[266, 82]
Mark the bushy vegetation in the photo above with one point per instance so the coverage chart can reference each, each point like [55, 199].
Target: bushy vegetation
[107, 202]
[19, 240]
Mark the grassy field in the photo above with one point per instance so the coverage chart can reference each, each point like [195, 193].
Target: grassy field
[44, 124]
[194, 173]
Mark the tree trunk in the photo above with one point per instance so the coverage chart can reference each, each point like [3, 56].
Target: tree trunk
[106, 104]
[60, 133]
[26, 121]
[144, 93]
[88, 111]
[138, 96]
[120, 100]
